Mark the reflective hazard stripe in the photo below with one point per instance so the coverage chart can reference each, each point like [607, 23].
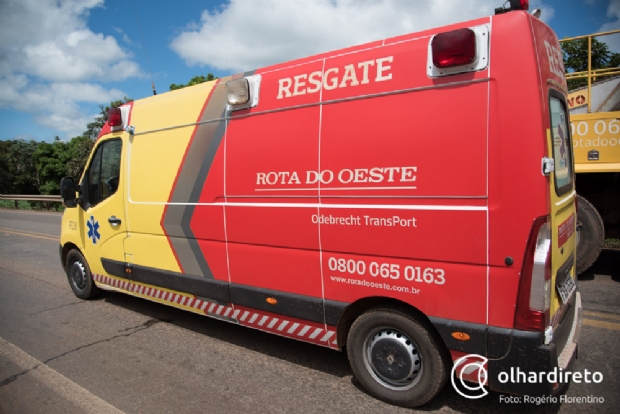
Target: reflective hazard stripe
[306, 331]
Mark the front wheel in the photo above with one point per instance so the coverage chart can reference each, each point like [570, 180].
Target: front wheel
[80, 278]
[396, 358]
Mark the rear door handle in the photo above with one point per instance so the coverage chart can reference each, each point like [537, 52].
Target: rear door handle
[114, 221]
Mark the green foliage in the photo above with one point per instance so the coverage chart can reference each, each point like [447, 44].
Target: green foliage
[78, 152]
[30, 167]
[21, 205]
[6, 177]
[50, 165]
[194, 81]
[6, 204]
[32, 205]
[575, 54]
[21, 168]
[612, 244]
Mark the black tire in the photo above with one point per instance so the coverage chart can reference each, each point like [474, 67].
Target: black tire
[80, 278]
[591, 234]
[396, 357]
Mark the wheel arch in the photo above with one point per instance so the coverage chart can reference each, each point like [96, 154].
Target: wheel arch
[64, 252]
[361, 306]
[411, 387]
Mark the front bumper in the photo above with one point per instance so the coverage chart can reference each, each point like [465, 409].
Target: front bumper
[523, 369]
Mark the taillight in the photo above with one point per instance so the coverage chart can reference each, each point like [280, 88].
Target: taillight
[534, 297]
[114, 117]
[514, 5]
[455, 48]
[520, 4]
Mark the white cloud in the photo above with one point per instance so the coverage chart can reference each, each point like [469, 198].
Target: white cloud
[126, 38]
[50, 40]
[71, 126]
[547, 11]
[613, 12]
[51, 62]
[55, 105]
[247, 34]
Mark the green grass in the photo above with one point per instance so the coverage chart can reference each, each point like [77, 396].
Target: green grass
[31, 205]
[21, 205]
[612, 244]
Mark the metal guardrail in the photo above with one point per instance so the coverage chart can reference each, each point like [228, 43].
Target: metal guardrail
[47, 199]
[591, 74]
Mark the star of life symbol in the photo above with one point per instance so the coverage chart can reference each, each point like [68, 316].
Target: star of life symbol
[473, 369]
[93, 230]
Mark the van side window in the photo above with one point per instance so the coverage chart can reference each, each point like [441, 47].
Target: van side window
[104, 171]
[562, 146]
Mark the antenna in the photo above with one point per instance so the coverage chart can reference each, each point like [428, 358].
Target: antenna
[148, 64]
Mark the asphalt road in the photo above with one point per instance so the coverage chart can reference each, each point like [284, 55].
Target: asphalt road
[59, 354]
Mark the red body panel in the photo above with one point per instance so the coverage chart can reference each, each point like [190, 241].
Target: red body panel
[439, 157]
[357, 175]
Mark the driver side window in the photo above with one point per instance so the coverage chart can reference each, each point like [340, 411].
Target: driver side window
[104, 171]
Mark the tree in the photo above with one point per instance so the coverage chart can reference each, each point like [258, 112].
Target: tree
[194, 81]
[30, 167]
[575, 53]
[78, 150]
[50, 162]
[21, 167]
[6, 175]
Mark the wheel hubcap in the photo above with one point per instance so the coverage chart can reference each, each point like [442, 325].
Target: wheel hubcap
[393, 359]
[78, 275]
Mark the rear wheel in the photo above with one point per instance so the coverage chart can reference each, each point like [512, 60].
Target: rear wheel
[396, 358]
[591, 234]
[80, 278]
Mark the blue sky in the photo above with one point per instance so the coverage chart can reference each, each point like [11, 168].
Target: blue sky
[60, 59]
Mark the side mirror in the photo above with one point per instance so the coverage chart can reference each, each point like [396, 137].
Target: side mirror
[67, 192]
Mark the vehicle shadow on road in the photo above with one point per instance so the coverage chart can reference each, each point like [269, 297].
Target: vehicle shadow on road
[494, 402]
[307, 355]
[300, 353]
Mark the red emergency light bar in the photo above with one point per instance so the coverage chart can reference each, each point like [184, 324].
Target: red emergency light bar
[520, 4]
[455, 48]
[114, 117]
[514, 5]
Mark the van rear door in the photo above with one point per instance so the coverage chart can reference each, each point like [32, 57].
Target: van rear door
[563, 210]
[560, 171]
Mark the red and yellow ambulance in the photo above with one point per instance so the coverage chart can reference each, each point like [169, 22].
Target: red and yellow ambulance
[411, 200]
